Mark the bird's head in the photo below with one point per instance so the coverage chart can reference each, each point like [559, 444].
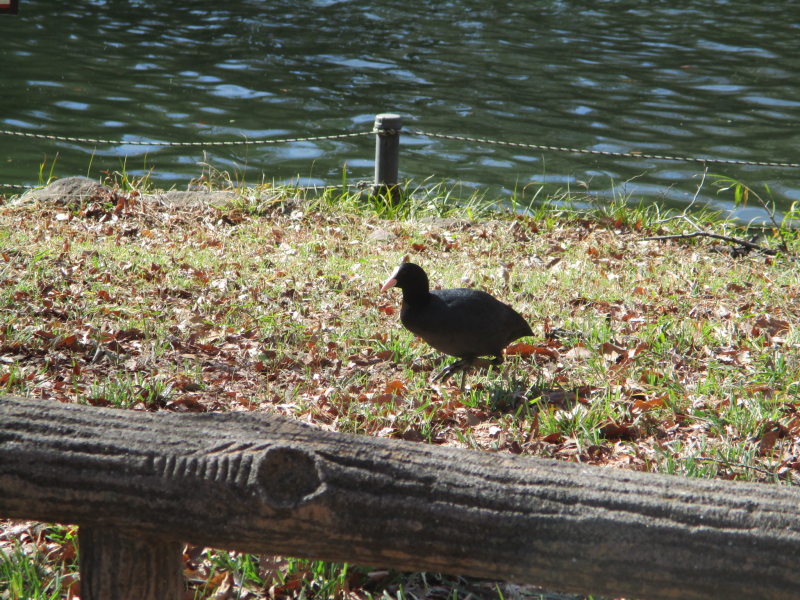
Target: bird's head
[407, 276]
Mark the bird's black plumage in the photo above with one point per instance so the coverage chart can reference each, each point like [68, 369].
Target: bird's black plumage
[460, 322]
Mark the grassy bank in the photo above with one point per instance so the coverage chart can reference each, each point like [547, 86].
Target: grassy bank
[667, 356]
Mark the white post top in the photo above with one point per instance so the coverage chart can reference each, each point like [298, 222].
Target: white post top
[388, 121]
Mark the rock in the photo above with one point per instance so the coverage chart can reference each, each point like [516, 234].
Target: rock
[70, 191]
[381, 235]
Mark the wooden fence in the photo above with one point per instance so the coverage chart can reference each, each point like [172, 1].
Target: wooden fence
[139, 485]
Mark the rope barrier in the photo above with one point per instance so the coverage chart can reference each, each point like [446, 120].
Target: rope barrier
[413, 132]
[360, 185]
[606, 153]
[236, 143]
[395, 132]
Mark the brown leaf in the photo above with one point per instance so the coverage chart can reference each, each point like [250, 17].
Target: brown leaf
[412, 435]
[736, 288]
[70, 342]
[472, 419]
[645, 405]
[129, 334]
[186, 404]
[770, 325]
[524, 349]
[396, 386]
[386, 309]
[768, 441]
[613, 352]
[98, 401]
[382, 399]
[618, 430]
[582, 393]
[554, 262]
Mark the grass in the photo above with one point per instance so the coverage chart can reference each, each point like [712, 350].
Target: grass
[670, 357]
[38, 562]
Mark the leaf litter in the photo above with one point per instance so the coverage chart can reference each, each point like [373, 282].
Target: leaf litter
[663, 357]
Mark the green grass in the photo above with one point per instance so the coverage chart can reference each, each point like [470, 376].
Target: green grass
[660, 356]
[41, 567]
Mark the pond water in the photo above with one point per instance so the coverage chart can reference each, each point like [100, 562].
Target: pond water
[691, 78]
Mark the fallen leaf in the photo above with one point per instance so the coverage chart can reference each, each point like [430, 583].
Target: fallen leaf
[395, 386]
[523, 349]
[767, 442]
[472, 420]
[612, 352]
[770, 325]
[412, 435]
[645, 405]
[617, 430]
[736, 288]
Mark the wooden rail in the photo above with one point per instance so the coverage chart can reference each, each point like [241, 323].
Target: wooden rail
[139, 484]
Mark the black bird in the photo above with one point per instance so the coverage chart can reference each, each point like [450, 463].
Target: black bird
[460, 322]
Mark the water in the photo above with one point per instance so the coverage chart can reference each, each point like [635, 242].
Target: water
[690, 78]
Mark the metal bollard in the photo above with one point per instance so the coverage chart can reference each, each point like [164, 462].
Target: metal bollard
[387, 154]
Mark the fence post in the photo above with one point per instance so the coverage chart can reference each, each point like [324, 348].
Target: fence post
[387, 153]
[125, 566]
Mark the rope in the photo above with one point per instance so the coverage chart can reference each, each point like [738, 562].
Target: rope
[396, 132]
[605, 153]
[391, 132]
[360, 185]
[238, 143]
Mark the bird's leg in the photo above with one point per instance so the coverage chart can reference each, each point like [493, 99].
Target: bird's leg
[463, 366]
[450, 370]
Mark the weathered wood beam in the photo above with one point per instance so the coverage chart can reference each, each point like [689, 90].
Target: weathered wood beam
[264, 484]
